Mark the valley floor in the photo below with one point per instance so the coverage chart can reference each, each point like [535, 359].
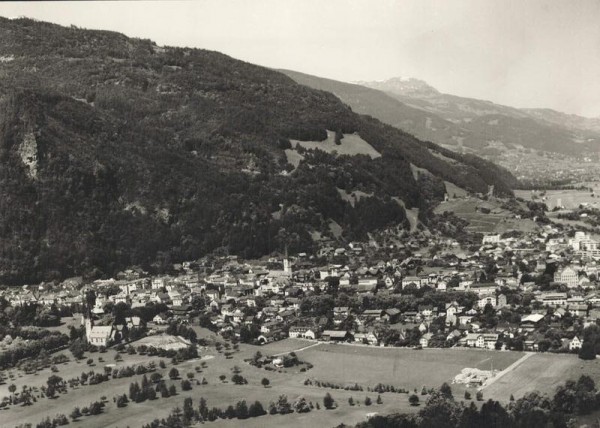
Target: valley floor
[341, 364]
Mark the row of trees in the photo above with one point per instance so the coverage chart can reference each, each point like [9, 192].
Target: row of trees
[441, 410]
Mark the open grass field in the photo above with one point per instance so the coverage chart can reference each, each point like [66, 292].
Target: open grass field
[542, 372]
[293, 157]
[80, 396]
[350, 145]
[569, 199]
[412, 214]
[498, 221]
[553, 215]
[220, 394]
[401, 367]
[354, 197]
[335, 363]
[66, 323]
[455, 192]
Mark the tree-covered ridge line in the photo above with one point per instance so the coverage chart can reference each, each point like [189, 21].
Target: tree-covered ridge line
[116, 152]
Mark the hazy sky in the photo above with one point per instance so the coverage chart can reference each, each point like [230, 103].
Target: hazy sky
[529, 53]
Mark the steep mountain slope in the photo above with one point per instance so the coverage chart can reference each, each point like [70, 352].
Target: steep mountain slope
[115, 151]
[487, 122]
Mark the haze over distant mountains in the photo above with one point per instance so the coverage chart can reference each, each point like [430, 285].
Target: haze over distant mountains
[460, 123]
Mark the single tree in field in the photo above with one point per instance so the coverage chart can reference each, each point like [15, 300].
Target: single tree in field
[12, 388]
[413, 400]
[51, 391]
[328, 401]
[587, 351]
[164, 391]
[338, 137]
[446, 390]
[173, 373]
[467, 395]
[222, 377]
[351, 401]
[368, 401]
[122, 400]
[265, 382]
[379, 400]
[479, 396]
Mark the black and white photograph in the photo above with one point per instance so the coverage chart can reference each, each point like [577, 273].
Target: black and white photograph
[300, 213]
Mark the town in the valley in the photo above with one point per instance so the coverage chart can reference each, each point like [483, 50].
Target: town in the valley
[534, 291]
[269, 214]
[490, 302]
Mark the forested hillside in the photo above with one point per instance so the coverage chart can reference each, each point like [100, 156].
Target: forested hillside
[115, 151]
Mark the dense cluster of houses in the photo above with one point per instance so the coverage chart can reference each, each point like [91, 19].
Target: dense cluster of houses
[262, 301]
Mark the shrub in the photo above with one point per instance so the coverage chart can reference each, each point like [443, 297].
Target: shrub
[75, 414]
[60, 420]
[122, 400]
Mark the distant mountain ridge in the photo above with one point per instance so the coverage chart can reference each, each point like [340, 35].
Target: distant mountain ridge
[543, 129]
[407, 86]
[117, 152]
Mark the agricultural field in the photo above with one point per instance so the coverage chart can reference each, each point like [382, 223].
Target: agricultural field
[455, 192]
[401, 367]
[498, 220]
[570, 199]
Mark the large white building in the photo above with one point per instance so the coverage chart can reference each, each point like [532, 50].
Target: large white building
[491, 239]
[584, 245]
[568, 276]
